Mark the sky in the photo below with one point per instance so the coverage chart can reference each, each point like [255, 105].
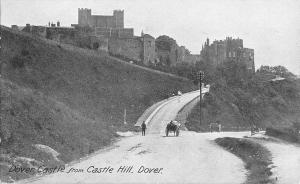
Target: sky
[271, 27]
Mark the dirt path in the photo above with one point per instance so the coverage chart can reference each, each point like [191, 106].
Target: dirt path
[285, 158]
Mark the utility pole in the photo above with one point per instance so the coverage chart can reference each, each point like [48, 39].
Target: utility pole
[200, 76]
[125, 114]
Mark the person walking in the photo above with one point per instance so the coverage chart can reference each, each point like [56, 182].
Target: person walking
[220, 127]
[143, 128]
[252, 130]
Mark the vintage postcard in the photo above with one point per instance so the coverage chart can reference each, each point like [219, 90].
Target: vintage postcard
[150, 91]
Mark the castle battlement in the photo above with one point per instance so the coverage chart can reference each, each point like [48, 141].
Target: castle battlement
[84, 9]
[118, 11]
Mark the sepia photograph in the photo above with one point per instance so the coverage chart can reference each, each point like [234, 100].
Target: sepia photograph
[150, 91]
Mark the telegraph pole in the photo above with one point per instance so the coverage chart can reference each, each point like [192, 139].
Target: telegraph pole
[200, 76]
[125, 114]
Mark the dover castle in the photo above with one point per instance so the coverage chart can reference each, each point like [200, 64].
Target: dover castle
[107, 34]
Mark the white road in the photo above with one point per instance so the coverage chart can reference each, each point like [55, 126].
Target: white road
[190, 158]
[285, 158]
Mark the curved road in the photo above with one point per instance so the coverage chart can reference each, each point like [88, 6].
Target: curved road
[189, 158]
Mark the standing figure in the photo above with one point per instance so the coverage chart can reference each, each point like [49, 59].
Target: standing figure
[178, 96]
[252, 130]
[220, 127]
[143, 128]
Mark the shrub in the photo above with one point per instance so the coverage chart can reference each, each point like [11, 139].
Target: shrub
[18, 62]
[285, 133]
[24, 52]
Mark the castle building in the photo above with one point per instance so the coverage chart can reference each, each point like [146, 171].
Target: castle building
[108, 35]
[103, 25]
[229, 49]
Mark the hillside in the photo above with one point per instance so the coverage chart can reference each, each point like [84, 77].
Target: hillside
[29, 119]
[68, 98]
[95, 84]
[258, 101]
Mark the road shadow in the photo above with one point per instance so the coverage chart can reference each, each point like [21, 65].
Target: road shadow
[170, 136]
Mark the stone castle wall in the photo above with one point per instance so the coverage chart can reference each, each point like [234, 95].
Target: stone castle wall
[115, 33]
[70, 35]
[126, 48]
[149, 54]
[249, 58]
[116, 42]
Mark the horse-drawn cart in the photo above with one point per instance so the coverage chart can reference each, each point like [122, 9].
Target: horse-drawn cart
[254, 130]
[173, 126]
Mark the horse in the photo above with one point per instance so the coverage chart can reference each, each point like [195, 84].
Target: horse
[214, 127]
[174, 127]
[254, 129]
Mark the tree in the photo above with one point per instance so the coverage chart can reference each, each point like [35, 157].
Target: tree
[164, 43]
[234, 72]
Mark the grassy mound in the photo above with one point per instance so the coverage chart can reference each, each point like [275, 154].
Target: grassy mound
[256, 157]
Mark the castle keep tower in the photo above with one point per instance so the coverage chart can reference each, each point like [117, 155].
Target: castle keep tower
[119, 18]
[103, 25]
[84, 17]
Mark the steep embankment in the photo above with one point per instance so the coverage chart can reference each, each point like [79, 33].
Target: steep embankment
[69, 98]
[92, 83]
[257, 101]
[32, 122]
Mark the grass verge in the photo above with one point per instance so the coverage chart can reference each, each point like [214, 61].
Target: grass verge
[256, 158]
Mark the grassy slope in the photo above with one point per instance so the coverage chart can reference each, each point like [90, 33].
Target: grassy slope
[289, 134]
[28, 117]
[96, 86]
[262, 103]
[68, 98]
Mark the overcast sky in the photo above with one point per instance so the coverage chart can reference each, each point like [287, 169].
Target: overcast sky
[271, 27]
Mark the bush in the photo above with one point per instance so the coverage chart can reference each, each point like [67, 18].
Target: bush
[24, 52]
[18, 62]
[285, 133]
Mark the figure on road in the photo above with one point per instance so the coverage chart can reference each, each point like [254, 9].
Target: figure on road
[143, 128]
[178, 96]
[220, 127]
